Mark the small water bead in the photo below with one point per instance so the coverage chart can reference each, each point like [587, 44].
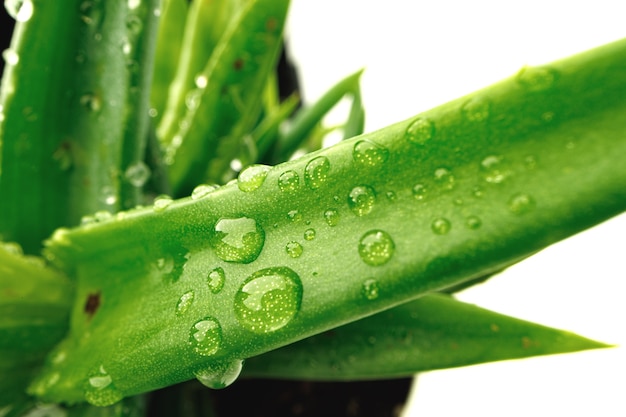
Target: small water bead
[476, 109]
[444, 178]
[252, 177]
[332, 217]
[391, 196]
[477, 192]
[309, 234]
[205, 336]
[202, 191]
[361, 200]
[201, 81]
[137, 174]
[238, 240]
[441, 226]
[10, 57]
[316, 172]
[536, 78]
[521, 204]
[295, 216]
[134, 24]
[165, 264]
[376, 247]
[161, 203]
[370, 289]
[367, 153]
[294, 249]
[184, 302]
[220, 375]
[268, 299]
[20, 10]
[473, 222]
[289, 181]
[494, 170]
[101, 390]
[420, 130]
[91, 102]
[419, 191]
[192, 99]
[216, 280]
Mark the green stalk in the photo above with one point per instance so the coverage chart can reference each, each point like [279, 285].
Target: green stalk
[189, 288]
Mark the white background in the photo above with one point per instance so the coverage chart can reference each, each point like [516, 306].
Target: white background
[419, 54]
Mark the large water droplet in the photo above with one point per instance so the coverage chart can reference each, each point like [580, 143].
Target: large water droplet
[133, 4]
[201, 81]
[20, 10]
[238, 240]
[494, 170]
[294, 249]
[220, 375]
[289, 181]
[332, 217]
[309, 234]
[202, 191]
[476, 109]
[161, 203]
[252, 177]
[269, 299]
[521, 204]
[316, 172]
[536, 78]
[184, 302]
[101, 390]
[444, 178]
[137, 174]
[376, 247]
[361, 200]
[441, 226]
[367, 153]
[205, 336]
[370, 289]
[216, 280]
[420, 130]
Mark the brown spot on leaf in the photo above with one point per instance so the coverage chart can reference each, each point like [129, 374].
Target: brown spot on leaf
[238, 64]
[92, 304]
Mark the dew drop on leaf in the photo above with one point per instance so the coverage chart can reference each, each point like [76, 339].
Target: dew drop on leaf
[10, 57]
[137, 174]
[294, 249]
[252, 177]
[268, 299]
[220, 375]
[289, 181]
[332, 217]
[216, 279]
[493, 169]
[444, 178]
[202, 191]
[294, 215]
[91, 102]
[536, 78]
[165, 264]
[134, 24]
[361, 200]
[370, 154]
[376, 247]
[161, 203]
[184, 302]
[521, 204]
[205, 336]
[20, 10]
[101, 390]
[238, 240]
[419, 192]
[440, 226]
[420, 131]
[316, 172]
[370, 289]
[201, 81]
[473, 222]
[476, 109]
[309, 234]
[192, 99]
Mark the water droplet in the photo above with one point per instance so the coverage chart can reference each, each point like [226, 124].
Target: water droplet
[108, 195]
[440, 226]
[220, 375]
[184, 302]
[161, 203]
[201, 81]
[165, 264]
[126, 47]
[493, 169]
[294, 249]
[133, 4]
[332, 217]
[309, 234]
[376, 247]
[269, 299]
[476, 109]
[536, 78]
[91, 102]
[419, 192]
[473, 222]
[192, 99]
[137, 174]
[316, 172]
[216, 280]
[361, 200]
[294, 215]
[238, 240]
[205, 336]
[20, 10]
[134, 24]
[202, 191]
[367, 153]
[521, 204]
[477, 191]
[420, 130]
[10, 57]
[289, 181]
[252, 177]
[391, 196]
[101, 390]
[444, 178]
[370, 289]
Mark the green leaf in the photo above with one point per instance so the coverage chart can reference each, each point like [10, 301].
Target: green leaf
[193, 286]
[433, 332]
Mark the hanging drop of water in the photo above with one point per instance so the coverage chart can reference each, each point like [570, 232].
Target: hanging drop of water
[220, 375]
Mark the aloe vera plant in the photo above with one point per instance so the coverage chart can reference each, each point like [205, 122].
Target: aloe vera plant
[337, 265]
